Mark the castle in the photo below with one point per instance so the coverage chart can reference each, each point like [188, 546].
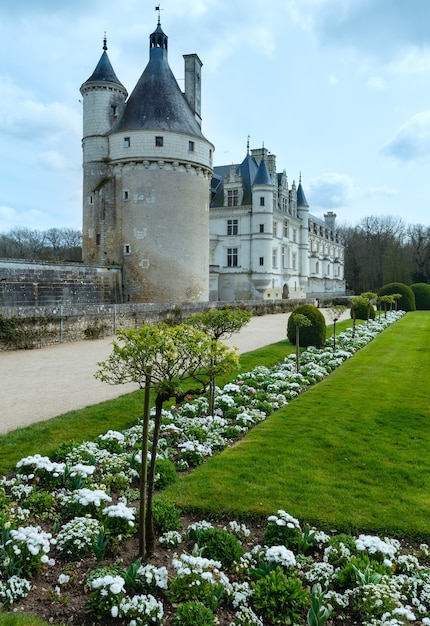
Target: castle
[147, 171]
[161, 224]
[181, 229]
[264, 242]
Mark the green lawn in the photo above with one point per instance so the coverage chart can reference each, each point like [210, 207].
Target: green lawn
[119, 414]
[349, 454]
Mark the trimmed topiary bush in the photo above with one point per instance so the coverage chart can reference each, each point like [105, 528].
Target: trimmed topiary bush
[313, 335]
[407, 300]
[421, 292]
[361, 310]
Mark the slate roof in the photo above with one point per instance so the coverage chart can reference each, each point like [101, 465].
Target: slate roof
[104, 72]
[157, 102]
[262, 177]
[301, 198]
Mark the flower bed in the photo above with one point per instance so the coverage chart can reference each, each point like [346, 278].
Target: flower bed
[69, 529]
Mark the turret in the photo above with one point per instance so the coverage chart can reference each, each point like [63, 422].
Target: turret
[103, 102]
[303, 214]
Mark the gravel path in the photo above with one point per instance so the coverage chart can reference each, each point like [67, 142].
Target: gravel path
[39, 384]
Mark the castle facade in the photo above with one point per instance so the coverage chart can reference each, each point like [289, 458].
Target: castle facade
[180, 229]
[264, 242]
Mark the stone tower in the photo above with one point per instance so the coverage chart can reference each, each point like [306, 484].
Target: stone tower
[147, 172]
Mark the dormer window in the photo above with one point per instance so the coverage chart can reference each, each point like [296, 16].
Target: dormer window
[233, 197]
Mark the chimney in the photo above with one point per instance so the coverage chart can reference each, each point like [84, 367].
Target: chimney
[193, 86]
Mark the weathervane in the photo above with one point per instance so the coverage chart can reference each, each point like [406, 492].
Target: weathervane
[157, 8]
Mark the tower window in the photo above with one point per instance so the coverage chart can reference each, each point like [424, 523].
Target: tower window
[232, 227]
[91, 199]
[159, 141]
[262, 260]
[261, 228]
[261, 200]
[125, 195]
[127, 248]
[126, 142]
[232, 197]
[232, 257]
[98, 239]
[114, 110]
[191, 146]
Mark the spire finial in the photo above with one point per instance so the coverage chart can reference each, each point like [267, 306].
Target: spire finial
[247, 146]
[157, 8]
[300, 177]
[104, 42]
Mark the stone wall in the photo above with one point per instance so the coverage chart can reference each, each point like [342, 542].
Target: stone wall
[35, 327]
[38, 283]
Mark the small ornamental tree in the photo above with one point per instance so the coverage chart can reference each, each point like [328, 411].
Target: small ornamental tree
[219, 324]
[371, 298]
[406, 302]
[422, 296]
[174, 359]
[299, 321]
[361, 308]
[312, 335]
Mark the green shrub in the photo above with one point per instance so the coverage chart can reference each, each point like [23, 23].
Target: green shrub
[407, 300]
[41, 504]
[421, 292]
[280, 599]
[165, 516]
[192, 587]
[313, 335]
[193, 613]
[361, 309]
[165, 472]
[361, 570]
[286, 534]
[219, 545]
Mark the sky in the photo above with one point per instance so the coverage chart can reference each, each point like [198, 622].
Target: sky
[338, 90]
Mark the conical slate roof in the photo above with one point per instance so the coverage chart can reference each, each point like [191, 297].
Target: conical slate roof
[301, 198]
[157, 102]
[104, 71]
[262, 176]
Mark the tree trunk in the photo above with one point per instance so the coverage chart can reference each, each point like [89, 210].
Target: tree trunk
[144, 466]
[150, 534]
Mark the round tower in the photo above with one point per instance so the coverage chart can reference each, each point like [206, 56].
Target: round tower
[303, 214]
[155, 193]
[103, 102]
[262, 226]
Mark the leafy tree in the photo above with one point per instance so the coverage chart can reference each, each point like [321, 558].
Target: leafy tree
[219, 324]
[173, 359]
[313, 335]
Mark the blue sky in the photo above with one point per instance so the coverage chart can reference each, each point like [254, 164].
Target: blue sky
[339, 90]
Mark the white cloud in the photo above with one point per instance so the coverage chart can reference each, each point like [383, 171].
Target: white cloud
[23, 116]
[330, 191]
[377, 83]
[412, 140]
[53, 160]
[10, 218]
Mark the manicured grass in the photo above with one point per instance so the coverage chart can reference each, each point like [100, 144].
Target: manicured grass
[349, 454]
[119, 414]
